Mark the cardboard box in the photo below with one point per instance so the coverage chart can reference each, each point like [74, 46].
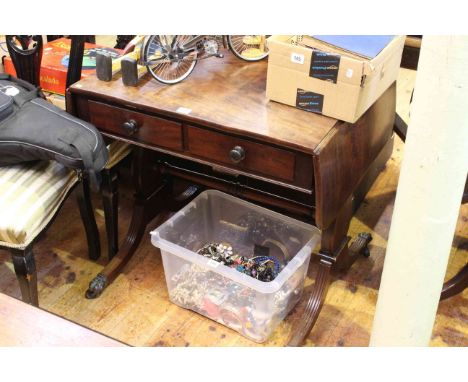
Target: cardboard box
[54, 64]
[329, 81]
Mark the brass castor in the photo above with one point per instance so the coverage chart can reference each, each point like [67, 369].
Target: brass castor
[361, 244]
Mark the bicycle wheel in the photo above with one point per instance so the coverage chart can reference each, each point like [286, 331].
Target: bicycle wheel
[248, 47]
[159, 52]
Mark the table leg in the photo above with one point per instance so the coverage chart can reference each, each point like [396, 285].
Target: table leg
[315, 302]
[151, 194]
[140, 218]
[334, 255]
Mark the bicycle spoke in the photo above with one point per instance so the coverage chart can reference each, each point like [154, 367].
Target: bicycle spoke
[248, 47]
[165, 61]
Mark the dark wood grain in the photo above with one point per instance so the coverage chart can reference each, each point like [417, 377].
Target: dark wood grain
[256, 195]
[110, 204]
[150, 199]
[334, 247]
[75, 59]
[83, 197]
[26, 273]
[259, 158]
[26, 56]
[293, 167]
[343, 157]
[315, 302]
[156, 131]
[226, 94]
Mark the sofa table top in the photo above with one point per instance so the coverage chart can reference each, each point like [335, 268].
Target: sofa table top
[227, 94]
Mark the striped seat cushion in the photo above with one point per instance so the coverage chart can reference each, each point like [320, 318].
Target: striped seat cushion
[30, 195]
[118, 150]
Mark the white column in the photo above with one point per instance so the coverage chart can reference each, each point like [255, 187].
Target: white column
[429, 193]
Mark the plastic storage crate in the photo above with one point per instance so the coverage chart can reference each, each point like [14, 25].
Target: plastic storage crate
[252, 307]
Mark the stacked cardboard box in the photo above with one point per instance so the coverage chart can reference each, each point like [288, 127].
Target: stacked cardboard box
[310, 74]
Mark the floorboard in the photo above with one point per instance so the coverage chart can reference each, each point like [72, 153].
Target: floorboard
[136, 309]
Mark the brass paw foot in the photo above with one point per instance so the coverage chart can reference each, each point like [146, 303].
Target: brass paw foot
[361, 244]
[96, 286]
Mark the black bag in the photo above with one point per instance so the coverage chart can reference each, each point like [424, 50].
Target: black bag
[33, 129]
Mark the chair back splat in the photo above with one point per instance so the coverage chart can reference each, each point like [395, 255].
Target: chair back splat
[26, 54]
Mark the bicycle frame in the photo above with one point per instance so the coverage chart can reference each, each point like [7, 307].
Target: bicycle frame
[196, 39]
[188, 47]
[171, 58]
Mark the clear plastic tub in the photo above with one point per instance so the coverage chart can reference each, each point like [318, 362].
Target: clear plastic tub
[252, 307]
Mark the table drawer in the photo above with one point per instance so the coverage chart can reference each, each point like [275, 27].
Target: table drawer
[241, 153]
[137, 126]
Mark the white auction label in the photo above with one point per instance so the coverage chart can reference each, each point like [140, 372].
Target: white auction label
[297, 58]
[349, 72]
[183, 110]
[213, 263]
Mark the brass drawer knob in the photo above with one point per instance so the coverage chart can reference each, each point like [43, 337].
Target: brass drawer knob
[130, 126]
[237, 154]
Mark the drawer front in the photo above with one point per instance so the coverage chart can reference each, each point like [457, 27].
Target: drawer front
[136, 126]
[240, 153]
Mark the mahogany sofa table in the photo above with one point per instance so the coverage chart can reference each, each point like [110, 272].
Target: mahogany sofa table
[217, 130]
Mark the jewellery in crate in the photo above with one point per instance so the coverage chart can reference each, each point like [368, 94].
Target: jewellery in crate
[263, 268]
[229, 303]
[221, 252]
[261, 250]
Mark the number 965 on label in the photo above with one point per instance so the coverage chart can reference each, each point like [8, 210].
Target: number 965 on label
[297, 58]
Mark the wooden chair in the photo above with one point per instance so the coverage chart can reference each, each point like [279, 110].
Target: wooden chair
[459, 282]
[31, 194]
[118, 150]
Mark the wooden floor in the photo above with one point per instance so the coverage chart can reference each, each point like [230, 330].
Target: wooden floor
[136, 309]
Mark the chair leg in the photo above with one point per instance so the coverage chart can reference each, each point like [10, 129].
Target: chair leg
[83, 197]
[110, 199]
[25, 269]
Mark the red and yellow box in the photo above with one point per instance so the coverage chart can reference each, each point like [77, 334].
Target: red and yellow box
[54, 64]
